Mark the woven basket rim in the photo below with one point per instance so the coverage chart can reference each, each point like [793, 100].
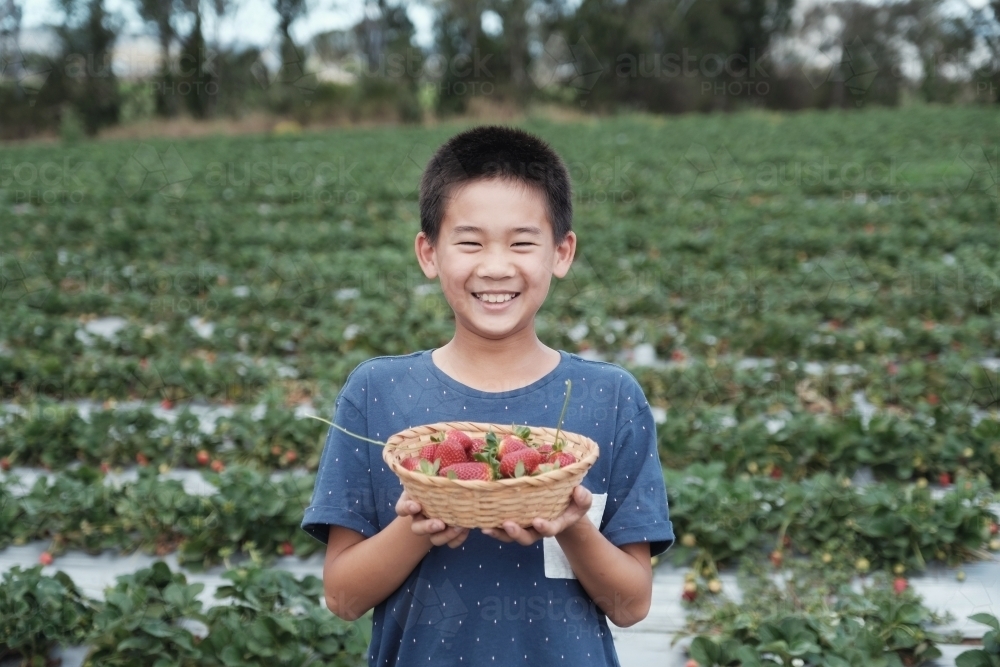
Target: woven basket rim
[426, 430]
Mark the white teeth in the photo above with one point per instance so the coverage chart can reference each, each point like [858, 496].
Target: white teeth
[495, 298]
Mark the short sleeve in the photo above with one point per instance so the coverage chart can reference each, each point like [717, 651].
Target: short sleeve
[636, 508]
[343, 494]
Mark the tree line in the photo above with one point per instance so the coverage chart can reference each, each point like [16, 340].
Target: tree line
[661, 56]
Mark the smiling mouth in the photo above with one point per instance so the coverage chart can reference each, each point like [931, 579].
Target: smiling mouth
[503, 297]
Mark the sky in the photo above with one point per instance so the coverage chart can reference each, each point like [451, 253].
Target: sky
[255, 22]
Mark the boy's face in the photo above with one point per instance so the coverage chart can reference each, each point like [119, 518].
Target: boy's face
[495, 245]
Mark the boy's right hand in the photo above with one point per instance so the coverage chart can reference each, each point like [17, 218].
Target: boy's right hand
[436, 529]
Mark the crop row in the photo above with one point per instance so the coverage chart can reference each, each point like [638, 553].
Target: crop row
[906, 381]
[887, 523]
[263, 616]
[934, 442]
[814, 616]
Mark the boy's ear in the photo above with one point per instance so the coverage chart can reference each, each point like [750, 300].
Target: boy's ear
[565, 252]
[425, 255]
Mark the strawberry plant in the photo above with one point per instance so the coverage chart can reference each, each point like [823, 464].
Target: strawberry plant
[141, 620]
[38, 612]
[989, 654]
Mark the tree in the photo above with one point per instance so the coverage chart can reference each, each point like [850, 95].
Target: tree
[161, 13]
[87, 35]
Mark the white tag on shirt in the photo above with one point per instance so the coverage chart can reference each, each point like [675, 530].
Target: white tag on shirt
[556, 563]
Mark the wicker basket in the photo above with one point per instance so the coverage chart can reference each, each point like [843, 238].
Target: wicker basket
[479, 504]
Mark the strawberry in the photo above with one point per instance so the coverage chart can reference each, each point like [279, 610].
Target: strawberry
[776, 558]
[105, 467]
[468, 471]
[932, 399]
[167, 404]
[510, 443]
[477, 446]
[141, 459]
[411, 463]
[290, 456]
[562, 458]
[944, 478]
[287, 549]
[994, 528]
[45, 558]
[527, 457]
[429, 452]
[5, 464]
[899, 585]
[692, 663]
[775, 473]
[218, 466]
[202, 457]
[545, 451]
[451, 452]
[460, 437]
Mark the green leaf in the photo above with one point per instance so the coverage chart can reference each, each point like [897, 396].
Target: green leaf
[704, 651]
[973, 658]
[986, 619]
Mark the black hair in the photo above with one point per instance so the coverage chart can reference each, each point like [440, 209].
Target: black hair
[496, 152]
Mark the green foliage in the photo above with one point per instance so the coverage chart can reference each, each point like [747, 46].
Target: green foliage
[38, 611]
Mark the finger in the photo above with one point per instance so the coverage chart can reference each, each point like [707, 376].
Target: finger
[546, 528]
[428, 526]
[408, 507]
[497, 534]
[525, 536]
[460, 539]
[446, 535]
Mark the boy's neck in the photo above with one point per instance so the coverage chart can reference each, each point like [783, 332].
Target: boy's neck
[496, 365]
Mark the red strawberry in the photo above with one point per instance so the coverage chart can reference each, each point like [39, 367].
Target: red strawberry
[477, 446]
[105, 467]
[899, 585]
[562, 458]
[411, 463]
[5, 464]
[689, 595]
[545, 451]
[429, 452]
[469, 471]
[944, 478]
[141, 459]
[167, 404]
[45, 558]
[776, 558]
[776, 473]
[290, 456]
[510, 443]
[932, 399]
[451, 452]
[203, 457]
[218, 466]
[994, 528]
[287, 549]
[460, 437]
[529, 457]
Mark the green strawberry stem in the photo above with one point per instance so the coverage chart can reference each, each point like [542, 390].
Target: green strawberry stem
[569, 388]
[341, 428]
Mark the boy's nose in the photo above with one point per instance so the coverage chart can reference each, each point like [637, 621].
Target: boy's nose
[495, 265]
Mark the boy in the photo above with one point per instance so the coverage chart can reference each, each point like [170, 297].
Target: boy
[495, 216]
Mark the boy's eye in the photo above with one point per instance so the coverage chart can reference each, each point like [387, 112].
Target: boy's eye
[524, 243]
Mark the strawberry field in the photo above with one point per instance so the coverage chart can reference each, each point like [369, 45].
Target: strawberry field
[807, 300]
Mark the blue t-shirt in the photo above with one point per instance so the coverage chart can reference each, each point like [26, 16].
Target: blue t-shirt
[487, 602]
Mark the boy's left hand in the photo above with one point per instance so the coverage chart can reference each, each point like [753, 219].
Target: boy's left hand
[579, 504]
